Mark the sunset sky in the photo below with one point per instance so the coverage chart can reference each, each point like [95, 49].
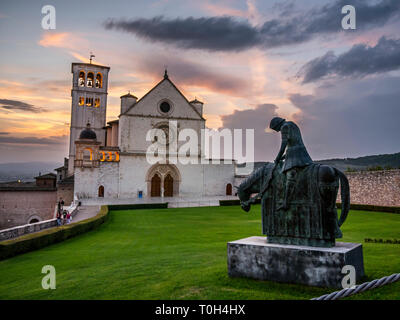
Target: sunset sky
[246, 60]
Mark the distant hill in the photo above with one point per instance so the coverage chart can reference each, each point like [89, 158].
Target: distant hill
[362, 163]
[25, 171]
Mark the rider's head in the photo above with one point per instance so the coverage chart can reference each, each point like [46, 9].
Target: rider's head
[276, 123]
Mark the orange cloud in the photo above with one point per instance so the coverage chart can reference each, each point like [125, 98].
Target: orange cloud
[59, 40]
[66, 40]
[221, 10]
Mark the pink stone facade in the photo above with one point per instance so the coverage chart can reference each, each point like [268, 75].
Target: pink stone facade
[20, 207]
[380, 188]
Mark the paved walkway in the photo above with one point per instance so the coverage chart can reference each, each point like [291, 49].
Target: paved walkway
[173, 202]
[85, 212]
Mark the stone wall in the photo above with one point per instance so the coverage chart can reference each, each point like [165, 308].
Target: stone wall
[10, 233]
[20, 207]
[66, 192]
[375, 187]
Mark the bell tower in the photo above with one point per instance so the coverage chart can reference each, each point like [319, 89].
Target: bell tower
[89, 103]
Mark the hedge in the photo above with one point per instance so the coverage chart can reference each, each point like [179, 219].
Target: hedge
[34, 241]
[385, 241]
[223, 203]
[361, 207]
[369, 207]
[138, 206]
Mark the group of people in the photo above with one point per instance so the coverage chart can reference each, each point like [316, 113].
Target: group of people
[63, 216]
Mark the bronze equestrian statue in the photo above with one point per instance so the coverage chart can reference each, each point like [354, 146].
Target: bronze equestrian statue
[298, 196]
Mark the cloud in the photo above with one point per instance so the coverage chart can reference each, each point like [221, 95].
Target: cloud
[20, 106]
[52, 140]
[214, 33]
[359, 61]
[266, 144]
[50, 39]
[3, 133]
[226, 33]
[350, 118]
[189, 73]
[222, 10]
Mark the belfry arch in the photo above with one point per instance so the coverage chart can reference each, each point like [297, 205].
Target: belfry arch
[170, 179]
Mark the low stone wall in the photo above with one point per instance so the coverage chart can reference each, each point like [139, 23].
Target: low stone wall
[37, 240]
[380, 188]
[26, 229]
[14, 232]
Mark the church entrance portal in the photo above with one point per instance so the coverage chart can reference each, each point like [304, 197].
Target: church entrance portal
[168, 186]
[156, 186]
[163, 180]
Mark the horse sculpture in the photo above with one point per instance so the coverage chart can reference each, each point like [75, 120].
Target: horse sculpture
[310, 218]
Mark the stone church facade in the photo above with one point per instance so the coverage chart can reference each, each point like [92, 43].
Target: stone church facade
[110, 159]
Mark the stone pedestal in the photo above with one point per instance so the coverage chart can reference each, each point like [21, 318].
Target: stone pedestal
[254, 258]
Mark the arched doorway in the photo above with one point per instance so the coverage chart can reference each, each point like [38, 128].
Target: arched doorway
[228, 189]
[156, 186]
[163, 179]
[168, 186]
[34, 219]
[101, 192]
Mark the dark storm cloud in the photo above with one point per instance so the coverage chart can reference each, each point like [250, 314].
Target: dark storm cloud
[214, 33]
[266, 143]
[351, 118]
[359, 61]
[228, 34]
[52, 140]
[19, 105]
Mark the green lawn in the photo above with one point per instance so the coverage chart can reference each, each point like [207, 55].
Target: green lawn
[180, 254]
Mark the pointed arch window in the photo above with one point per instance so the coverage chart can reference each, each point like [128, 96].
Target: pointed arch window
[97, 102]
[90, 78]
[81, 80]
[99, 80]
[81, 101]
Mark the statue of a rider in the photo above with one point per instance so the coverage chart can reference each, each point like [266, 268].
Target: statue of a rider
[296, 155]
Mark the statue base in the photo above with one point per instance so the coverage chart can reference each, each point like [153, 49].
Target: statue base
[254, 258]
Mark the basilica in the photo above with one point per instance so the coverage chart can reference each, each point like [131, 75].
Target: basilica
[110, 160]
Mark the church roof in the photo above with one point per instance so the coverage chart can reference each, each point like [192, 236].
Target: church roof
[196, 101]
[166, 78]
[47, 176]
[87, 64]
[128, 95]
[113, 121]
[67, 180]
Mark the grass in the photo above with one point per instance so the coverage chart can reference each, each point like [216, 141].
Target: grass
[180, 254]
